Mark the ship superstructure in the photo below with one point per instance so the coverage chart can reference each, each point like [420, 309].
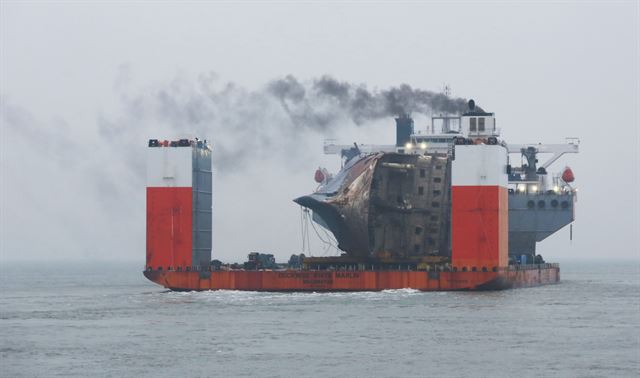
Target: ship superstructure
[179, 200]
[539, 203]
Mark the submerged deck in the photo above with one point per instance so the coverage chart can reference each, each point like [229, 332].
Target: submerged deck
[356, 280]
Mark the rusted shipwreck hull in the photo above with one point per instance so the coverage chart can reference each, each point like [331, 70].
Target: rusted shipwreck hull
[387, 205]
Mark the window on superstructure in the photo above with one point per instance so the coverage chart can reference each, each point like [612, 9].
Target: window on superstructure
[481, 124]
[472, 124]
[422, 173]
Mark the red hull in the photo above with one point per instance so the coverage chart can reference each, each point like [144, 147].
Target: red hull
[310, 280]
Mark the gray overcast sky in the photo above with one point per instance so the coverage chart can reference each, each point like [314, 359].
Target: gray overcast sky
[84, 85]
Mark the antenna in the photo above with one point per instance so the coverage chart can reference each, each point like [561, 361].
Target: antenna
[446, 90]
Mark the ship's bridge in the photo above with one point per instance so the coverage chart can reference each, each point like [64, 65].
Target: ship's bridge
[479, 124]
[428, 143]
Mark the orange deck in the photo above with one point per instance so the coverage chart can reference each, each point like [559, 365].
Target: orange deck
[316, 280]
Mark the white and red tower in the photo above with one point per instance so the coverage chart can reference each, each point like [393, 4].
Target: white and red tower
[179, 202]
[479, 207]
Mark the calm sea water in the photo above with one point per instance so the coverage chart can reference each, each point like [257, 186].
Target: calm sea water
[107, 320]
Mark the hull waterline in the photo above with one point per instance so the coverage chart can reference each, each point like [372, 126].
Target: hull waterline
[322, 280]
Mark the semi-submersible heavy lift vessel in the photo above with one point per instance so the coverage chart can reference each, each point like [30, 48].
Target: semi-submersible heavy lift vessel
[442, 210]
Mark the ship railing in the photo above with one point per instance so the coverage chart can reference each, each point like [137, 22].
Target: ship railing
[547, 192]
[513, 268]
[193, 268]
[436, 268]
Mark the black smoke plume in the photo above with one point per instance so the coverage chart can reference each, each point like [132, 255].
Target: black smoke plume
[304, 103]
[248, 124]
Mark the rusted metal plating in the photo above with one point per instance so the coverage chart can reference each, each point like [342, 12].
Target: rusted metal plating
[389, 205]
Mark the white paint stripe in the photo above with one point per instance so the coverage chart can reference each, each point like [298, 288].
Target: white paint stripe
[169, 166]
[479, 165]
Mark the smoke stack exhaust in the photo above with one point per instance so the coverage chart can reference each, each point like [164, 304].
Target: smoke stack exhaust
[404, 129]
